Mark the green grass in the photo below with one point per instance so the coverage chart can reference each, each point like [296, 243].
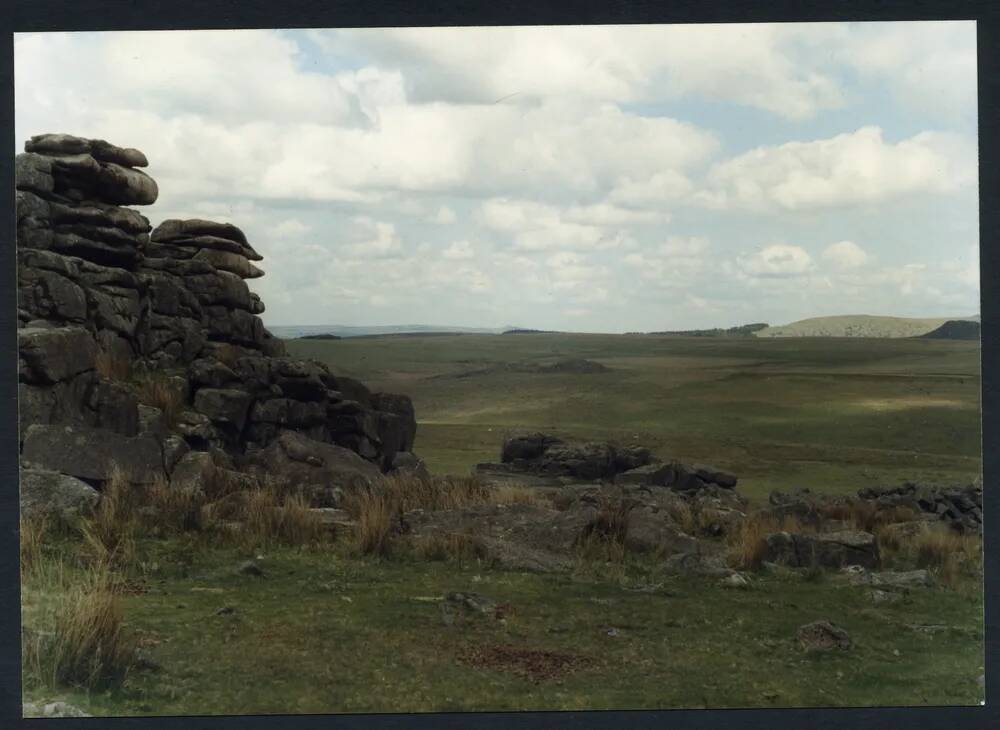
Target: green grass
[330, 632]
[830, 414]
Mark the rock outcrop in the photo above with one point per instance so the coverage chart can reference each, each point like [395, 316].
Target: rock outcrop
[110, 308]
[543, 455]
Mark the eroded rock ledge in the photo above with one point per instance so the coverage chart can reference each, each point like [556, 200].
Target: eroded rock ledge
[110, 309]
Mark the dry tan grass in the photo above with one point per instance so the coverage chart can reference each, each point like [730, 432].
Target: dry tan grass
[172, 510]
[604, 539]
[112, 367]
[950, 555]
[683, 516]
[155, 390]
[109, 532]
[88, 646]
[865, 515]
[746, 544]
[31, 535]
[509, 495]
[272, 516]
[457, 546]
[374, 513]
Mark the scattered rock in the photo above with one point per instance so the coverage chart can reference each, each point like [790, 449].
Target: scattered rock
[250, 568]
[44, 492]
[823, 636]
[736, 580]
[52, 709]
[225, 611]
[827, 550]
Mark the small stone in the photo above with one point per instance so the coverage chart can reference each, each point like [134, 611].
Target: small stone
[823, 636]
[225, 611]
[250, 568]
[736, 580]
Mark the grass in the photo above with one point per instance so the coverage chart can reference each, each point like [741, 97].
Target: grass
[334, 632]
[84, 643]
[157, 391]
[832, 414]
[112, 367]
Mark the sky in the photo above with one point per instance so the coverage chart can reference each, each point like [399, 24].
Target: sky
[582, 178]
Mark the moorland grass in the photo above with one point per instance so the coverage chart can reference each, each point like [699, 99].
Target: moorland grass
[832, 414]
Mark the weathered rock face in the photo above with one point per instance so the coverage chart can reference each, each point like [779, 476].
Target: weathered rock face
[827, 550]
[540, 454]
[45, 492]
[102, 297]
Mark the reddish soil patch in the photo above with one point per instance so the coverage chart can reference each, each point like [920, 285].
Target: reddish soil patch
[534, 664]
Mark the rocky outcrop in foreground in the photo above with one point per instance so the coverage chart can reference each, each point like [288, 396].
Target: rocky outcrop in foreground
[138, 345]
[542, 456]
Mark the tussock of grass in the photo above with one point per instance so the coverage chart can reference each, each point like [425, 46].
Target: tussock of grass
[604, 539]
[31, 535]
[377, 509]
[155, 390]
[461, 547]
[271, 516]
[746, 543]
[109, 532]
[949, 555]
[374, 513]
[865, 515]
[87, 646]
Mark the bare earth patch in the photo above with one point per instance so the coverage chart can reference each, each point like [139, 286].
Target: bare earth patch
[534, 664]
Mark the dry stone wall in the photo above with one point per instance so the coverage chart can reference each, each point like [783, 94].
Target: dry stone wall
[106, 301]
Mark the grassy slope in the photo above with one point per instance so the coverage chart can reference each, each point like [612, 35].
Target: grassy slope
[831, 414]
[856, 325]
[329, 632]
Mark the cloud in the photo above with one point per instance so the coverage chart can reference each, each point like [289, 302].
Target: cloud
[776, 260]
[845, 255]
[848, 169]
[289, 227]
[444, 216]
[372, 239]
[487, 65]
[535, 226]
[458, 250]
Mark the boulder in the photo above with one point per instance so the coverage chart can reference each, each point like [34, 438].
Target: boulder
[93, 453]
[173, 229]
[408, 463]
[526, 447]
[46, 493]
[66, 144]
[223, 406]
[190, 471]
[56, 354]
[822, 636]
[295, 459]
[232, 262]
[584, 460]
[827, 550]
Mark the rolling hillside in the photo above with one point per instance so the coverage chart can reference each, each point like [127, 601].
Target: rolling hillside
[859, 325]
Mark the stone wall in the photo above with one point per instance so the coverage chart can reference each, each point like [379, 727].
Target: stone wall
[106, 303]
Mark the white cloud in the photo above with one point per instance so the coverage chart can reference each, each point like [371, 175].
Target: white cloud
[488, 65]
[458, 250]
[444, 216]
[289, 227]
[849, 169]
[373, 239]
[845, 255]
[776, 260]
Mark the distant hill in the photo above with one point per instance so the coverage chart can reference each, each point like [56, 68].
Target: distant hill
[859, 325]
[743, 330]
[955, 329]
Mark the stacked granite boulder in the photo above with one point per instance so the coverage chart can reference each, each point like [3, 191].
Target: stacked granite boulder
[103, 302]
